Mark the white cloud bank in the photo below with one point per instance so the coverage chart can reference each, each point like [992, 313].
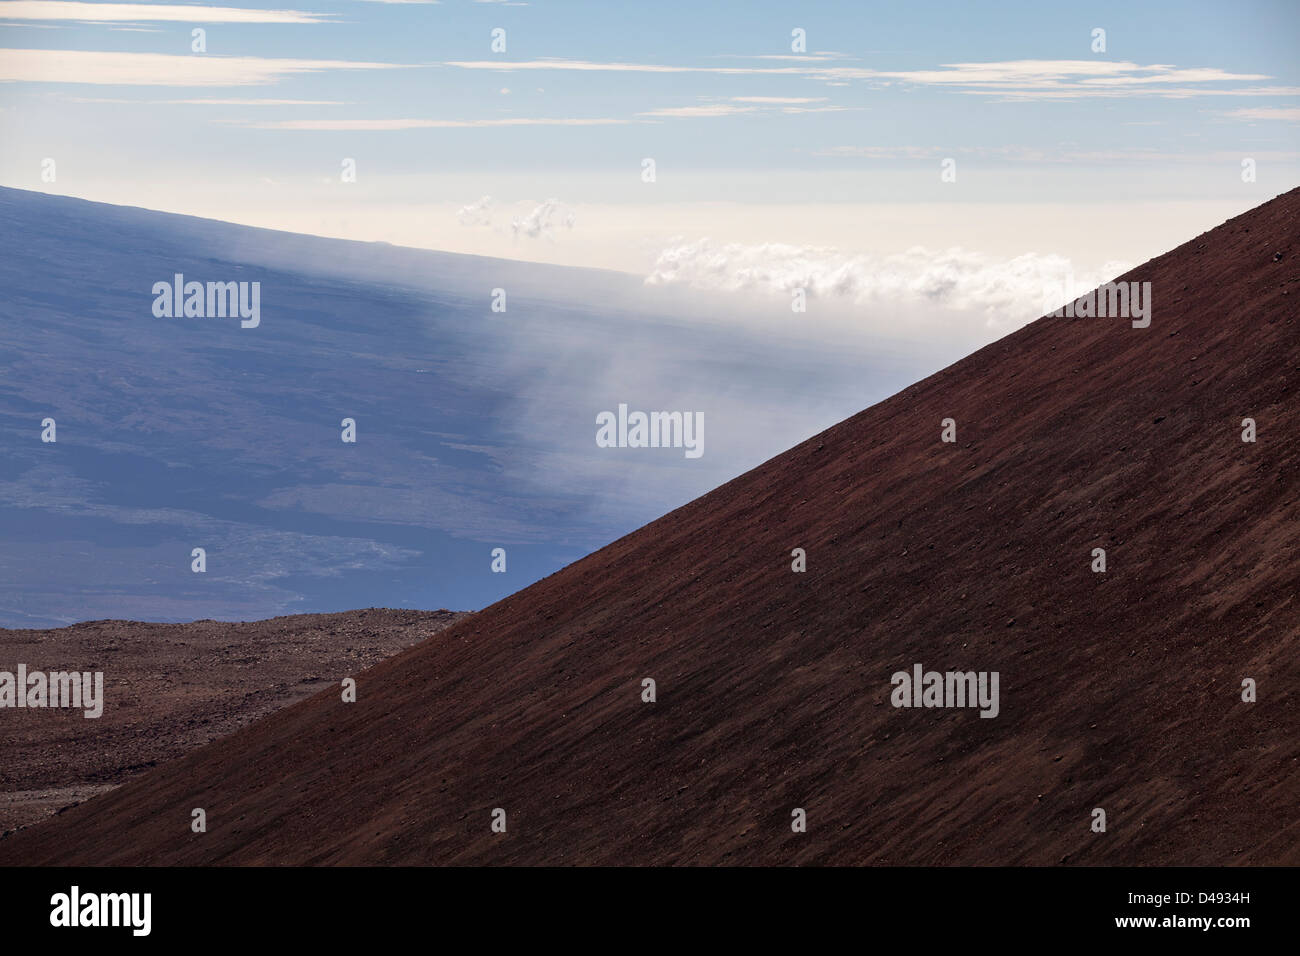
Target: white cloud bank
[1006, 293]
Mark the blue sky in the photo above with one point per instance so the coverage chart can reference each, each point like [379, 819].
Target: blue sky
[752, 142]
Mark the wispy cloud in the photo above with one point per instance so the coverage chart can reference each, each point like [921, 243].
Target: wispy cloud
[206, 102]
[477, 213]
[146, 12]
[820, 109]
[886, 152]
[753, 104]
[1290, 115]
[709, 109]
[1174, 93]
[795, 57]
[1047, 79]
[598, 67]
[540, 221]
[396, 124]
[252, 102]
[778, 100]
[1066, 154]
[159, 69]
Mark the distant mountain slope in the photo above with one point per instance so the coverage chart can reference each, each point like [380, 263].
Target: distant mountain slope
[475, 429]
[1119, 690]
[172, 687]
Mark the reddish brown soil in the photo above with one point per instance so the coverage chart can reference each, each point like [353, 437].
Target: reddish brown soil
[1118, 690]
[172, 687]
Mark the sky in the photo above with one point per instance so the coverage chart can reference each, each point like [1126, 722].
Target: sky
[765, 152]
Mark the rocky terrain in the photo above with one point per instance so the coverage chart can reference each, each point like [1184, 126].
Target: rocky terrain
[169, 688]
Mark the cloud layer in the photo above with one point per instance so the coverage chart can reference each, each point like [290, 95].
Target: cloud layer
[1005, 292]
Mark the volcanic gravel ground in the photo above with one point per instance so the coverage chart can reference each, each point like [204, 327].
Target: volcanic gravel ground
[170, 688]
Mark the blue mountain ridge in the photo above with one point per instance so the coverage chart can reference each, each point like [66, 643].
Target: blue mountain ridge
[475, 429]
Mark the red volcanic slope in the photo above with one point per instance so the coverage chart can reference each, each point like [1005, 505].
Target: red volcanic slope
[1119, 690]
